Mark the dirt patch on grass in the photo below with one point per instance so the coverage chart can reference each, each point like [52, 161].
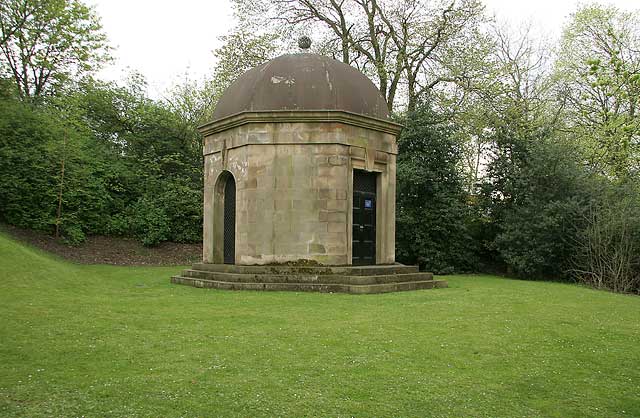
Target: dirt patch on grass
[110, 250]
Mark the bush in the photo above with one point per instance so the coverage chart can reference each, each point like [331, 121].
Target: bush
[431, 210]
[119, 224]
[533, 195]
[73, 234]
[536, 238]
[131, 166]
[183, 206]
[149, 222]
[608, 253]
[27, 171]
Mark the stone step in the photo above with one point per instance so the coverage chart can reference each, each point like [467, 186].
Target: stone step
[312, 287]
[384, 269]
[306, 278]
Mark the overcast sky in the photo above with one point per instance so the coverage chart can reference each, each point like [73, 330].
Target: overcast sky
[163, 40]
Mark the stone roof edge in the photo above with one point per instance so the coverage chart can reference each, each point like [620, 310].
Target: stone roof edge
[300, 116]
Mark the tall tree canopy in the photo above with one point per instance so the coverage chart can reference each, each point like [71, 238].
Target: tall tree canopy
[14, 15]
[407, 47]
[599, 71]
[46, 43]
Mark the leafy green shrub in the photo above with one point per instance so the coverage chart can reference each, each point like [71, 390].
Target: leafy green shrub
[431, 209]
[27, 172]
[533, 196]
[183, 206]
[73, 234]
[536, 238]
[116, 163]
[118, 224]
[149, 222]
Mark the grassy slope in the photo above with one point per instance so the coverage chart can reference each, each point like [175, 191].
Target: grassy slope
[114, 341]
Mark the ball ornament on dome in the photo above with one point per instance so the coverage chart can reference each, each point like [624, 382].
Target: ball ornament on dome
[304, 42]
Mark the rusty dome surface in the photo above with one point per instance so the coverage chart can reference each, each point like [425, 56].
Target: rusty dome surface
[304, 81]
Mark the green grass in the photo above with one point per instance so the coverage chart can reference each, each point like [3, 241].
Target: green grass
[115, 341]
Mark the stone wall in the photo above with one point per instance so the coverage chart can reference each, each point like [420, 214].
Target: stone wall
[294, 190]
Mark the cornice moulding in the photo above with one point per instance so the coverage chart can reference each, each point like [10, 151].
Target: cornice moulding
[300, 116]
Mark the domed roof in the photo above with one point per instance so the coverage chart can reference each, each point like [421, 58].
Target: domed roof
[302, 82]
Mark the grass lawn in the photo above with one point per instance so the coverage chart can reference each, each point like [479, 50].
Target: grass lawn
[101, 341]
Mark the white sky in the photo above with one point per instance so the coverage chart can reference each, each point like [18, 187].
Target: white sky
[165, 39]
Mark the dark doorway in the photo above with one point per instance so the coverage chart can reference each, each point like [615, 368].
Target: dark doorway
[230, 221]
[363, 247]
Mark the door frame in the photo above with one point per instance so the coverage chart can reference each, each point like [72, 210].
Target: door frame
[381, 213]
[218, 216]
[375, 213]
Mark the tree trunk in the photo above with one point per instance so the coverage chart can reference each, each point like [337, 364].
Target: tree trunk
[61, 186]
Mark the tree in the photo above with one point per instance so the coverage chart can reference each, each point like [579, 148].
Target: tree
[242, 50]
[193, 100]
[156, 190]
[608, 246]
[14, 15]
[57, 40]
[599, 71]
[515, 83]
[432, 212]
[533, 186]
[533, 197]
[399, 44]
[51, 176]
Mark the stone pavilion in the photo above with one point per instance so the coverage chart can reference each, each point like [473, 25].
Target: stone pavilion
[299, 184]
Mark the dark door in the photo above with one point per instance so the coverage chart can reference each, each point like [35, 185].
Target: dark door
[363, 247]
[230, 221]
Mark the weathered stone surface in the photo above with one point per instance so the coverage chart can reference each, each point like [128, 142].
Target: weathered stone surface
[310, 287]
[291, 134]
[294, 183]
[345, 279]
[308, 268]
[302, 81]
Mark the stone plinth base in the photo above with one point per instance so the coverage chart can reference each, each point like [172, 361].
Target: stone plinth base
[327, 279]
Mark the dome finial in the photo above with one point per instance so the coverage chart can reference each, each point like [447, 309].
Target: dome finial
[304, 42]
